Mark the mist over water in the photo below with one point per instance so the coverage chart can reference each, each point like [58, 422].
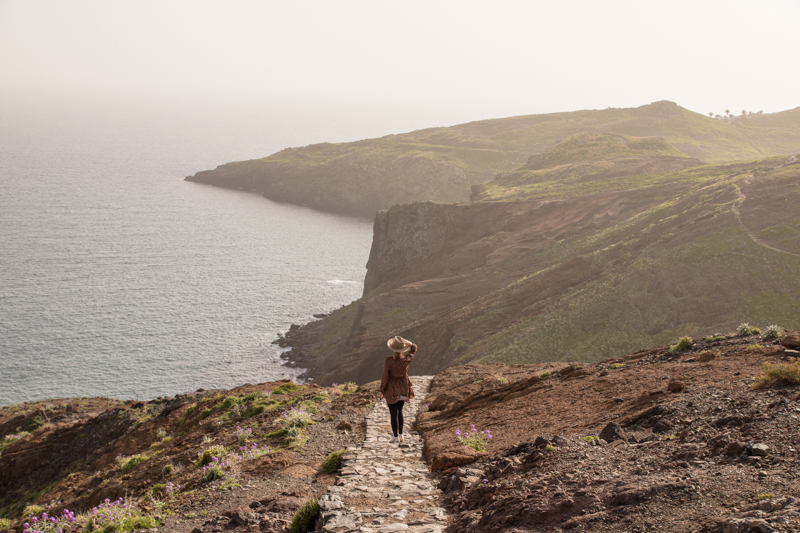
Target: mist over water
[119, 279]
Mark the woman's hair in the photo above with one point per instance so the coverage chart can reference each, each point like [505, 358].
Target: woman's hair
[396, 356]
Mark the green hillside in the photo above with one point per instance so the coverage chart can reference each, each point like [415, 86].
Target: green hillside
[575, 269]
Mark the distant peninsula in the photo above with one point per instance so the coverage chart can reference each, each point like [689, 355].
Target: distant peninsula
[443, 164]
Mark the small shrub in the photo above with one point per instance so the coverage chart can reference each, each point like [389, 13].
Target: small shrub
[616, 366]
[114, 516]
[683, 344]
[304, 518]
[49, 524]
[286, 388]
[549, 448]
[322, 397]
[158, 489]
[347, 388]
[161, 433]
[247, 453]
[128, 463]
[502, 380]
[215, 469]
[209, 453]
[545, 375]
[296, 437]
[4, 523]
[243, 434]
[229, 402]
[32, 510]
[765, 496]
[250, 397]
[34, 423]
[745, 330]
[205, 412]
[714, 338]
[10, 439]
[773, 332]
[255, 410]
[477, 440]
[333, 462]
[778, 374]
[168, 469]
[295, 417]
[590, 438]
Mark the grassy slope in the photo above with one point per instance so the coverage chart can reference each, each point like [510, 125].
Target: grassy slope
[684, 267]
[676, 262]
[487, 147]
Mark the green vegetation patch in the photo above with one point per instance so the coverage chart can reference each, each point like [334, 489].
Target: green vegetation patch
[685, 343]
[130, 462]
[286, 388]
[33, 423]
[305, 517]
[333, 462]
[208, 454]
[778, 374]
[746, 330]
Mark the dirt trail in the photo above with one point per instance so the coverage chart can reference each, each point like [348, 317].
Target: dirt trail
[738, 203]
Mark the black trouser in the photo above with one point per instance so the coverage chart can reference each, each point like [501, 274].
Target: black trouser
[396, 415]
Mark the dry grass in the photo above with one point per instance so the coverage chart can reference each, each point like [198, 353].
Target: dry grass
[778, 374]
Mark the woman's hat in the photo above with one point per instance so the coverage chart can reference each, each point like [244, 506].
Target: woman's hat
[399, 344]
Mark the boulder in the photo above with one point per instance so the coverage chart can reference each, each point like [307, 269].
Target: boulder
[613, 432]
[791, 340]
[450, 459]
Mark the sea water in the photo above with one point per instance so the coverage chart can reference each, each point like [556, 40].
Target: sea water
[119, 279]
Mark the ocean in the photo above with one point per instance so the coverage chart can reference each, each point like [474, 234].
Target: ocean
[119, 279]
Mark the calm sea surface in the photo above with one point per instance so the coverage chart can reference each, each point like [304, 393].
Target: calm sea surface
[119, 279]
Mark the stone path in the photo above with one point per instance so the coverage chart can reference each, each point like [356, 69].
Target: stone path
[385, 487]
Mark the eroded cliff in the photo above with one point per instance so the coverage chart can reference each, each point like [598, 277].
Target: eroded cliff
[577, 277]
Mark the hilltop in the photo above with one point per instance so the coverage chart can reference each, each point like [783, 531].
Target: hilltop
[672, 438]
[442, 164]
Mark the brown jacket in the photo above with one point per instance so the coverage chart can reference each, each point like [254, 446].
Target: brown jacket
[395, 382]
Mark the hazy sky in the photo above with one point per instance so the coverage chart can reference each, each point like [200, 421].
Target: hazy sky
[449, 61]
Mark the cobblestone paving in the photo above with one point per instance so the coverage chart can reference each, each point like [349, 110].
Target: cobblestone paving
[385, 487]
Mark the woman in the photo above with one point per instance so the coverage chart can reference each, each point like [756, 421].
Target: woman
[395, 384]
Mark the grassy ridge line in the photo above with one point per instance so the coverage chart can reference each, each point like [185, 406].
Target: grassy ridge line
[497, 145]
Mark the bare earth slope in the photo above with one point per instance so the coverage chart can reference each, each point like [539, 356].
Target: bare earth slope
[441, 164]
[652, 441]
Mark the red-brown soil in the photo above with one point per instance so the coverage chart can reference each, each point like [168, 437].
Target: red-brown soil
[694, 448]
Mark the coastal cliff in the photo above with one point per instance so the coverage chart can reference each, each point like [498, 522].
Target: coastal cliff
[629, 263]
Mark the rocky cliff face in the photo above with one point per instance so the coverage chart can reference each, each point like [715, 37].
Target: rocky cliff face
[570, 278]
